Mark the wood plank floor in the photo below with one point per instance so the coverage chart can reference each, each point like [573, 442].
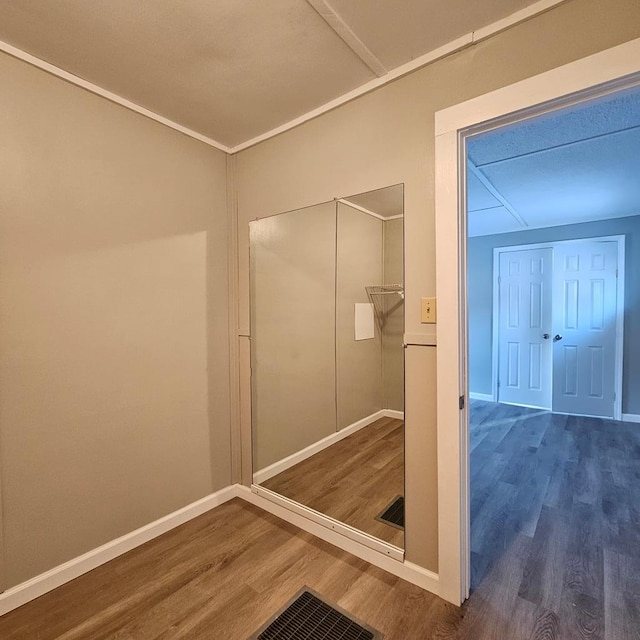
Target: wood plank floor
[353, 480]
[555, 550]
[220, 577]
[555, 526]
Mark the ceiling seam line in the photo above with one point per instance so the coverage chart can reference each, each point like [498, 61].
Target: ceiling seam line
[495, 193]
[423, 60]
[451, 47]
[348, 36]
[497, 206]
[555, 147]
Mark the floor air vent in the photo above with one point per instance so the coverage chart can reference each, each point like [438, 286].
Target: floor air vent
[394, 513]
[307, 617]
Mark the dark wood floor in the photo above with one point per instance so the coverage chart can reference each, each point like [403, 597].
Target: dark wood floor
[353, 480]
[555, 525]
[555, 550]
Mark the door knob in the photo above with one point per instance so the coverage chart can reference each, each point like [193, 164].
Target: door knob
[557, 337]
[545, 336]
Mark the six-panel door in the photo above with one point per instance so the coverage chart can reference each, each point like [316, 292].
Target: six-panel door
[557, 327]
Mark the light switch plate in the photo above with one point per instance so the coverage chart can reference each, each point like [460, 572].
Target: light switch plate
[428, 310]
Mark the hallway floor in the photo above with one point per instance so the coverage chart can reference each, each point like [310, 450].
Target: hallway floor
[555, 525]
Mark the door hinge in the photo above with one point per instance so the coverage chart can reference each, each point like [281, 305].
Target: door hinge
[461, 403]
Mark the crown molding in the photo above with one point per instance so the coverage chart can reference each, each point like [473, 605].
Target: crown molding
[441, 52]
[108, 95]
[436, 54]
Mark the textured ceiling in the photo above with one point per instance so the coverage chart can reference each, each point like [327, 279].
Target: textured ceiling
[232, 70]
[399, 30]
[574, 165]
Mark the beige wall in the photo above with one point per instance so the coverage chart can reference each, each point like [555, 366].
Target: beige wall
[113, 283]
[113, 238]
[392, 349]
[358, 362]
[293, 259]
[387, 137]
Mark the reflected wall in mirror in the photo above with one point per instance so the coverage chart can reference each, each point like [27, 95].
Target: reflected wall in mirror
[327, 317]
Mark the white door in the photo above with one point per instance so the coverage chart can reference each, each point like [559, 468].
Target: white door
[524, 344]
[584, 328]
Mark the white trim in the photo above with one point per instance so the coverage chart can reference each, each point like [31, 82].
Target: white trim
[485, 397]
[344, 31]
[389, 559]
[630, 417]
[514, 18]
[392, 413]
[619, 337]
[394, 74]
[49, 580]
[384, 548]
[288, 462]
[495, 329]
[620, 304]
[549, 86]
[368, 211]
[421, 61]
[109, 95]
[363, 209]
[451, 466]
[614, 67]
[408, 571]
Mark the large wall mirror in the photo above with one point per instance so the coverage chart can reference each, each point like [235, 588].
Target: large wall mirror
[327, 318]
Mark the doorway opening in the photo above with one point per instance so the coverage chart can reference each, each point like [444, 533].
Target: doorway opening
[561, 89]
[539, 479]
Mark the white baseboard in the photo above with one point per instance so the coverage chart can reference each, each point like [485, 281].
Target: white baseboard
[39, 585]
[486, 397]
[392, 413]
[630, 417]
[282, 465]
[408, 571]
[380, 546]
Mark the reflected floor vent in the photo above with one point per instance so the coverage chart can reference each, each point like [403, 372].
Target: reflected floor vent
[393, 514]
[307, 617]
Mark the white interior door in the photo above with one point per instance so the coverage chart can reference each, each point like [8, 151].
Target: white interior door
[585, 317]
[524, 344]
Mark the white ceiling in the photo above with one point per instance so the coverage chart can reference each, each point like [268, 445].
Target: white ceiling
[575, 165]
[232, 70]
[387, 202]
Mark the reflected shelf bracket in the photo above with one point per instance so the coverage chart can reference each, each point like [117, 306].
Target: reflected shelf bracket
[378, 295]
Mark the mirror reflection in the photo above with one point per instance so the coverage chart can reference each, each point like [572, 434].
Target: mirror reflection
[327, 317]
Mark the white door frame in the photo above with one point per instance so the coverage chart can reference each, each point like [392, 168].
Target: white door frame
[602, 72]
[619, 349]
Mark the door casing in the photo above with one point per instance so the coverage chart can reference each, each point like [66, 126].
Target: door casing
[619, 349]
[595, 75]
